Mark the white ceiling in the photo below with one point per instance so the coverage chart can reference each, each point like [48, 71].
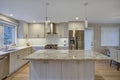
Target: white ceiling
[97, 11]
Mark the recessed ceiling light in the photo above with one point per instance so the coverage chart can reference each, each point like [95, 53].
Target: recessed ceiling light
[11, 14]
[76, 18]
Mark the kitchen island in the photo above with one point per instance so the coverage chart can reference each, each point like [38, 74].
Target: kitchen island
[63, 64]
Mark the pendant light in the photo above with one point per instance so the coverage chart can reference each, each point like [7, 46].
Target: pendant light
[46, 18]
[85, 19]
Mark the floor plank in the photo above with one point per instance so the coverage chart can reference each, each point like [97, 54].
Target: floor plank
[103, 71]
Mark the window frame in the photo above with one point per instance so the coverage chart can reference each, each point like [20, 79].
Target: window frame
[110, 40]
[2, 23]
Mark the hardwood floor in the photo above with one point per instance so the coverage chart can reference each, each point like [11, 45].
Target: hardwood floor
[102, 72]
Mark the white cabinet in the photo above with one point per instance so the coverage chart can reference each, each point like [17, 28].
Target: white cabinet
[13, 62]
[53, 73]
[76, 25]
[36, 31]
[62, 30]
[46, 70]
[86, 70]
[23, 30]
[16, 59]
[61, 70]
[69, 70]
[41, 73]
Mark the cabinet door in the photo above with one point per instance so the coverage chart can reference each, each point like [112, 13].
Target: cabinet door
[13, 62]
[62, 30]
[37, 70]
[36, 30]
[21, 54]
[16, 59]
[69, 70]
[86, 70]
[23, 29]
[53, 69]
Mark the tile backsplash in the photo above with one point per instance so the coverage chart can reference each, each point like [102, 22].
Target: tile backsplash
[43, 41]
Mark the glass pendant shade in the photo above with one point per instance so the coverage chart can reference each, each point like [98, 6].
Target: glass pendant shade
[86, 23]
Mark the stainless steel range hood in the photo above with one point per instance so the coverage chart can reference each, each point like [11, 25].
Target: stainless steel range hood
[52, 28]
[51, 32]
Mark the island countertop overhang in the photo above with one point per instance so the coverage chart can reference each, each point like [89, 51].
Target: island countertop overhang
[66, 55]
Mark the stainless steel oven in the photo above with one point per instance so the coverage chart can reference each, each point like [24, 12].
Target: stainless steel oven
[4, 66]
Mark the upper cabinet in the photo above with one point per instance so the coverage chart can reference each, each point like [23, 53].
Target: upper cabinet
[62, 30]
[36, 30]
[76, 25]
[22, 30]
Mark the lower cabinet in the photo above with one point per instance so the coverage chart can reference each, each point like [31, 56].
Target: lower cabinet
[44, 70]
[69, 70]
[53, 73]
[16, 59]
[61, 70]
[86, 70]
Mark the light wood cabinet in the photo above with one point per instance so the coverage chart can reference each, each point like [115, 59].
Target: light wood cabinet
[62, 30]
[36, 31]
[22, 30]
[16, 59]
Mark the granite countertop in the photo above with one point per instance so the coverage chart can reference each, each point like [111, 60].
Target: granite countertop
[2, 52]
[66, 55]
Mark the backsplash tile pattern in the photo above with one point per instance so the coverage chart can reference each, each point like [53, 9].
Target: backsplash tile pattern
[43, 41]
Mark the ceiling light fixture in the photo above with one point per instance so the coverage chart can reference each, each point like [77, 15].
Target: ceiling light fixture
[46, 18]
[11, 15]
[76, 18]
[85, 19]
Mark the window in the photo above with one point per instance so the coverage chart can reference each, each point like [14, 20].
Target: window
[109, 36]
[7, 34]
